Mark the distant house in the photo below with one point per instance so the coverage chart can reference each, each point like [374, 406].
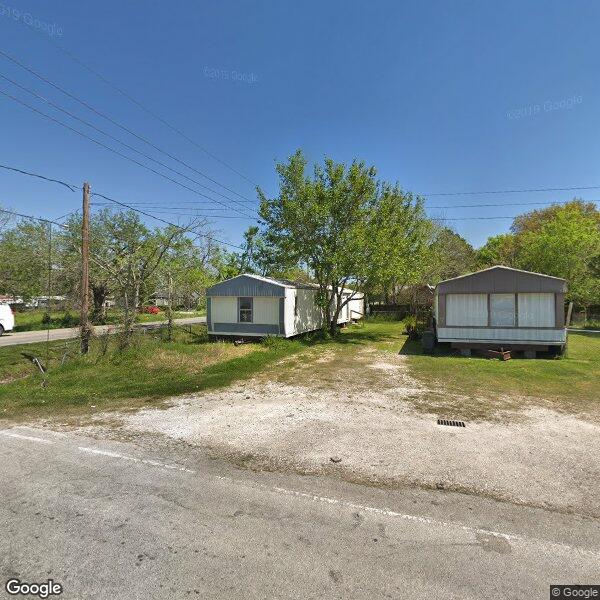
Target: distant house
[501, 307]
[250, 305]
[12, 300]
[46, 301]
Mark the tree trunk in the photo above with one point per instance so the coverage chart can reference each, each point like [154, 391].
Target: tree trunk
[99, 293]
[136, 298]
[170, 311]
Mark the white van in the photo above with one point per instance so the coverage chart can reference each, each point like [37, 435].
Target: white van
[7, 319]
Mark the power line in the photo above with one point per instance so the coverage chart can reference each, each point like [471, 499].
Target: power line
[473, 218]
[507, 204]
[114, 122]
[114, 138]
[522, 191]
[167, 212]
[101, 144]
[22, 172]
[160, 219]
[146, 109]
[167, 207]
[152, 209]
[23, 216]
[72, 188]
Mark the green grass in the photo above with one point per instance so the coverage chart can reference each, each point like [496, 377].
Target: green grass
[474, 387]
[33, 320]
[153, 369]
[572, 379]
[589, 324]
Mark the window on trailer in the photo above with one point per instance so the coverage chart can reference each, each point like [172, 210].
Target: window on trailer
[502, 310]
[245, 310]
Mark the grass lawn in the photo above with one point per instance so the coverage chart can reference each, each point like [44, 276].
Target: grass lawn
[454, 385]
[32, 320]
[571, 382]
[574, 377]
[153, 369]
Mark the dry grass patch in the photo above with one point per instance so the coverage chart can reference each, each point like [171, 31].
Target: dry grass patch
[201, 357]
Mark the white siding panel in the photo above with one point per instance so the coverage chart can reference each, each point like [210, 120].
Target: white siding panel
[357, 307]
[288, 315]
[309, 316]
[476, 334]
[466, 309]
[224, 309]
[344, 312]
[266, 310]
[536, 310]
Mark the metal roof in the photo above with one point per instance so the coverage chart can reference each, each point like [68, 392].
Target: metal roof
[500, 267]
[500, 279]
[249, 284]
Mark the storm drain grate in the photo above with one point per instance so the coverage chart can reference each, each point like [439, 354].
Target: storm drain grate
[451, 423]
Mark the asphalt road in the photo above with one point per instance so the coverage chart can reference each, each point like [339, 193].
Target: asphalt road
[147, 518]
[32, 337]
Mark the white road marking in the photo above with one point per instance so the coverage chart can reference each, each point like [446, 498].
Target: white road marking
[26, 437]
[153, 463]
[328, 500]
[415, 518]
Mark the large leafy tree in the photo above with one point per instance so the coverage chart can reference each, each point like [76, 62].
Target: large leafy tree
[126, 257]
[25, 260]
[342, 224]
[566, 244]
[447, 255]
[562, 240]
[498, 250]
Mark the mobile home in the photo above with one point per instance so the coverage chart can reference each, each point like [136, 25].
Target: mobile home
[254, 306]
[501, 307]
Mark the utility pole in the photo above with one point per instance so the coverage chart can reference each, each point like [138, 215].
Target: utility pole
[85, 270]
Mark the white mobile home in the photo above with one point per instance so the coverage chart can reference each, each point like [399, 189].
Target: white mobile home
[501, 307]
[254, 306]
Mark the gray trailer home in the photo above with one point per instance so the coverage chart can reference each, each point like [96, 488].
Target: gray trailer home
[502, 307]
[254, 306]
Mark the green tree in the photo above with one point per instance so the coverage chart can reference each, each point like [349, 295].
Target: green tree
[448, 255]
[565, 243]
[339, 222]
[24, 259]
[498, 250]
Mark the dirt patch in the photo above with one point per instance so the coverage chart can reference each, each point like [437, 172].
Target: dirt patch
[366, 408]
[547, 460]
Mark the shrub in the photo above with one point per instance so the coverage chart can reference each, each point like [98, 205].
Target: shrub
[151, 310]
[274, 342]
[69, 320]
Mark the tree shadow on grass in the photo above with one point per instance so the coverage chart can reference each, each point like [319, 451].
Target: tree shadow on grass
[415, 348]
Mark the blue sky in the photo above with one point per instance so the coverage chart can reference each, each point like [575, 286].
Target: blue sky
[439, 96]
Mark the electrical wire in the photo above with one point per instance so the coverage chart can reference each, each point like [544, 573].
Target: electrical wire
[116, 139]
[18, 214]
[118, 202]
[106, 147]
[72, 188]
[114, 122]
[129, 97]
[517, 191]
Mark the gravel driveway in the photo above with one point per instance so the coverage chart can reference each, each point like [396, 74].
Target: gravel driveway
[372, 420]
